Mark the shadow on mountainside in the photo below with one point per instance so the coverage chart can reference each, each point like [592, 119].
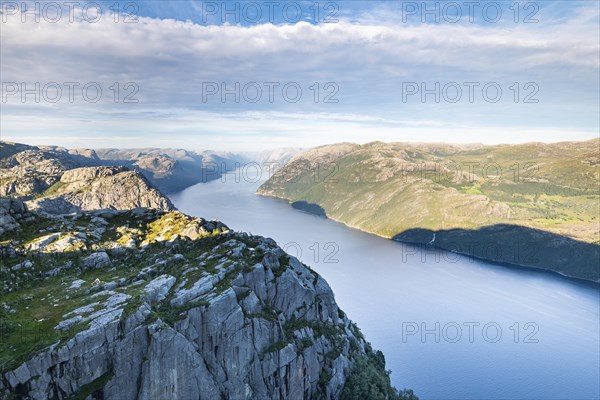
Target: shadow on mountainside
[310, 208]
[516, 245]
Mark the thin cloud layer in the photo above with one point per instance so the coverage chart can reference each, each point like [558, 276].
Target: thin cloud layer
[171, 62]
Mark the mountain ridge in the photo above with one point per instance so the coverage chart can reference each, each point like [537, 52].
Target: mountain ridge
[170, 170]
[392, 188]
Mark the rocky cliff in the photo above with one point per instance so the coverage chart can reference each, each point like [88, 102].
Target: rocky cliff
[152, 304]
[94, 188]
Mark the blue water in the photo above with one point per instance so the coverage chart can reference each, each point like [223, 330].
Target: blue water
[523, 334]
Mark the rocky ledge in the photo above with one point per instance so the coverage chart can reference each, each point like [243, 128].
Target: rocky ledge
[152, 304]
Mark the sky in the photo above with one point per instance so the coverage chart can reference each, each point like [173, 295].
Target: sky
[250, 75]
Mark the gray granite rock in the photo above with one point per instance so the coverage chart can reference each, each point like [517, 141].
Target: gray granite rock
[240, 329]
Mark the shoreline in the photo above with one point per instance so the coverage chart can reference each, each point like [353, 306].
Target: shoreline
[530, 268]
[595, 284]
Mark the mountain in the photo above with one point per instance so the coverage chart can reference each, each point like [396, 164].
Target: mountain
[60, 181]
[173, 170]
[532, 204]
[94, 188]
[28, 170]
[155, 304]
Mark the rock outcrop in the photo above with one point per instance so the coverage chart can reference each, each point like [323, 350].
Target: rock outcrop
[93, 188]
[156, 305]
[11, 212]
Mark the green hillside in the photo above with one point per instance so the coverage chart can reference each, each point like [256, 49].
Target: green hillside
[393, 188]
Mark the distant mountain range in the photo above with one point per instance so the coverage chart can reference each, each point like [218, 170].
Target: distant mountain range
[172, 170]
[32, 171]
[531, 204]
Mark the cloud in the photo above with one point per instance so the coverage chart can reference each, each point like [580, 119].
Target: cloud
[368, 58]
[155, 48]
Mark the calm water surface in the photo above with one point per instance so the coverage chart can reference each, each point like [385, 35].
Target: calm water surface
[449, 326]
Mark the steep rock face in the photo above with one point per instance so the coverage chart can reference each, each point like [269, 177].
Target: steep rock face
[226, 315]
[91, 188]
